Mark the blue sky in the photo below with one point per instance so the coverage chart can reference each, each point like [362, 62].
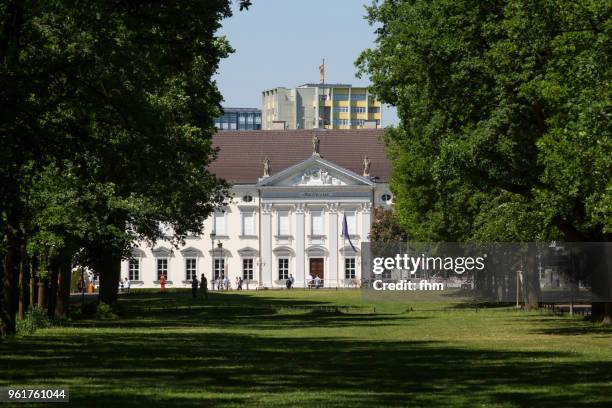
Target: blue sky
[282, 43]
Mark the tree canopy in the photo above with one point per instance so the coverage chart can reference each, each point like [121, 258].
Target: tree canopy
[505, 111]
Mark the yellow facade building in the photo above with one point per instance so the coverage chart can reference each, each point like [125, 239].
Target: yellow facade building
[329, 106]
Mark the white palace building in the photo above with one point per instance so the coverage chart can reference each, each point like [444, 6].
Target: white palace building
[291, 191]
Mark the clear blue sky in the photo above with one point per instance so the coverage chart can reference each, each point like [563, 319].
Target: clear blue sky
[282, 43]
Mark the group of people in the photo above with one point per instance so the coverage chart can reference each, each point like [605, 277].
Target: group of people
[125, 285]
[315, 282]
[89, 287]
[202, 284]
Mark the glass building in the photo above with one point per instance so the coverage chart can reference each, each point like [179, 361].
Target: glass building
[239, 119]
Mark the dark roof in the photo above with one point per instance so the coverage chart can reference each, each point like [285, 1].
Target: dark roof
[242, 153]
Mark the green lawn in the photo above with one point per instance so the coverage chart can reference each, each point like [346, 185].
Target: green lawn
[280, 348]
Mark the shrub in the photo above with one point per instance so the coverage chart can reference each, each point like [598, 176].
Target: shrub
[34, 319]
[105, 312]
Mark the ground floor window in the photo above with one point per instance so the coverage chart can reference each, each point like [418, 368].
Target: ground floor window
[247, 268]
[134, 270]
[190, 269]
[162, 268]
[219, 268]
[283, 268]
[349, 268]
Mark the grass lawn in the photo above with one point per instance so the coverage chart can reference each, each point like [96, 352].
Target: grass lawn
[281, 348]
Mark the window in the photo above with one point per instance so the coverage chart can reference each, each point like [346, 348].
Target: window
[358, 97]
[340, 109]
[247, 268]
[247, 198]
[219, 220]
[374, 109]
[219, 267]
[341, 122]
[283, 268]
[134, 270]
[316, 222]
[340, 97]
[283, 223]
[358, 109]
[248, 224]
[351, 222]
[162, 268]
[349, 268]
[385, 197]
[190, 269]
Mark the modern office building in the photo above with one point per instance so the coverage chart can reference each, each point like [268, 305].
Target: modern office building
[329, 106]
[239, 119]
[291, 191]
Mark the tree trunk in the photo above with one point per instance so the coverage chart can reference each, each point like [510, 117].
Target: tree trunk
[108, 268]
[8, 303]
[62, 306]
[32, 284]
[531, 279]
[42, 290]
[23, 268]
[52, 298]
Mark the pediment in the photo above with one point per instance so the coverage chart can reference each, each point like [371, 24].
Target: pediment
[315, 172]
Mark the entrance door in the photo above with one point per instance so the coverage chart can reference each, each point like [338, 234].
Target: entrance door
[316, 268]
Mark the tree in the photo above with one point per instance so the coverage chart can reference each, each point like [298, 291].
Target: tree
[505, 110]
[119, 97]
[386, 228]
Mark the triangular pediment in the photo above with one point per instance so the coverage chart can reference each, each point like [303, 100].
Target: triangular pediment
[315, 172]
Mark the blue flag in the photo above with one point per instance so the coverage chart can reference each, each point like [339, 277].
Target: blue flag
[345, 232]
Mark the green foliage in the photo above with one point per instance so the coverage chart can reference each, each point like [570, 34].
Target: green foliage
[34, 319]
[104, 311]
[386, 227]
[505, 113]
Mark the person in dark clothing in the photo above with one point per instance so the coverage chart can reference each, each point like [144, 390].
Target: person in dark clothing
[240, 280]
[194, 287]
[203, 287]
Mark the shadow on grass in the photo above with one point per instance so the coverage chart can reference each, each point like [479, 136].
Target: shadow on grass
[217, 367]
[226, 368]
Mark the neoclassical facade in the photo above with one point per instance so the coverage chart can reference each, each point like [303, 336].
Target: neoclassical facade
[285, 219]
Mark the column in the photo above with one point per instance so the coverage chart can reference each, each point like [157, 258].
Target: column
[333, 246]
[299, 243]
[265, 278]
[366, 221]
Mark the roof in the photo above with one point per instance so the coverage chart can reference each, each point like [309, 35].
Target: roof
[241, 154]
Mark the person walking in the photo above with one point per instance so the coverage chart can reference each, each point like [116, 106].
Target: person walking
[240, 280]
[127, 284]
[226, 282]
[203, 287]
[317, 282]
[194, 286]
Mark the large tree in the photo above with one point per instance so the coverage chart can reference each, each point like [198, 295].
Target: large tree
[505, 113]
[119, 97]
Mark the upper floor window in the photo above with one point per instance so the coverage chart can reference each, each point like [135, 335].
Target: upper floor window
[385, 197]
[340, 97]
[247, 198]
[283, 223]
[358, 97]
[351, 222]
[248, 223]
[316, 222]
[219, 223]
